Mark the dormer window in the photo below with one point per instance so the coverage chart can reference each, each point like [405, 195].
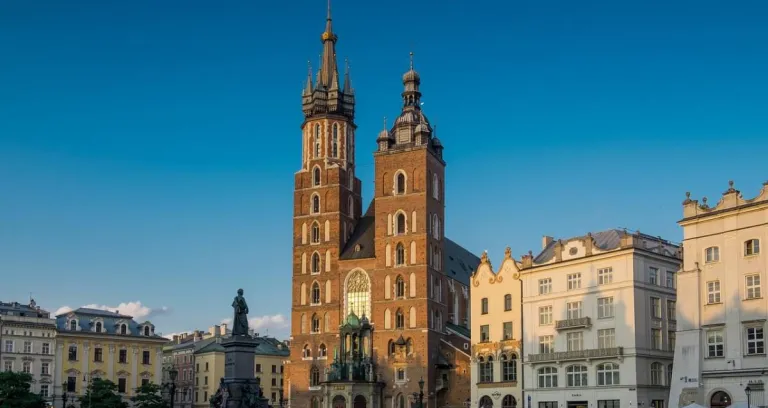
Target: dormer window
[98, 327]
[123, 329]
[146, 331]
[73, 325]
[751, 247]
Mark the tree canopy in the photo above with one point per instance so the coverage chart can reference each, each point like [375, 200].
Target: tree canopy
[15, 391]
[102, 394]
[149, 396]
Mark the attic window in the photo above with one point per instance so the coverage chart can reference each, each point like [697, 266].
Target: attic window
[357, 248]
[573, 251]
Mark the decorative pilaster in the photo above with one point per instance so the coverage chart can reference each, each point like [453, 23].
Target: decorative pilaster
[58, 377]
[111, 362]
[158, 366]
[86, 356]
[135, 369]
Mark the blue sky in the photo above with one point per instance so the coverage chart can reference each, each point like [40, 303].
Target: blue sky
[147, 149]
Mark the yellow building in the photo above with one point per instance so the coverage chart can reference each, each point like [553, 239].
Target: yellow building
[209, 369]
[93, 343]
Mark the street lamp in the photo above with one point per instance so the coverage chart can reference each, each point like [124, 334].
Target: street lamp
[64, 395]
[421, 392]
[749, 392]
[172, 373]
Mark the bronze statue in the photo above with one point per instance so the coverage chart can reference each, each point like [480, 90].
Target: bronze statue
[240, 323]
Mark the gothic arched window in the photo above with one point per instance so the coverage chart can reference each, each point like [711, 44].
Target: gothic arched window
[400, 224]
[351, 206]
[508, 367]
[315, 324]
[400, 255]
[315, 263]
[435, 187]
[399, 319]
[399, 287]
[322, 351]
[315, 207]
[317, 141]
[335, 141]
[315, 233]
[315, 293]
[400, 183]
[306, 352]
[358, 293]
[314, 377]
[316, 176]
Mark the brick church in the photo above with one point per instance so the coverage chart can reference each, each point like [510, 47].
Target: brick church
[380, 298]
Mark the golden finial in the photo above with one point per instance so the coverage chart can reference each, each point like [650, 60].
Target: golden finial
[411, 60]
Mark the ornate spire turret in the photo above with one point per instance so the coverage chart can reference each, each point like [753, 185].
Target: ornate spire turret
[308, 86]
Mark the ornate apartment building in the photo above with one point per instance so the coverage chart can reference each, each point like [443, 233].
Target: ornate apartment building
[721, 351]
[95, 343]
[28, 344]
[372, 291]
[497, 334]
[600, 321]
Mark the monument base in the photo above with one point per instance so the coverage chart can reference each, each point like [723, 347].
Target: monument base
[240, 387]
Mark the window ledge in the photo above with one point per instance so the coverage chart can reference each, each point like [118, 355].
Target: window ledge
[752, 298]
[713, 303]
[307, 358]
[755, 355]
[714, 357]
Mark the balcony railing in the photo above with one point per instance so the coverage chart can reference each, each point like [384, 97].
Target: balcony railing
[577, 355]
[577, 323]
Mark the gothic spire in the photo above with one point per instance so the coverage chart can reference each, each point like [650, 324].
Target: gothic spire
[347, 79]
[328, 67]
[308, 86]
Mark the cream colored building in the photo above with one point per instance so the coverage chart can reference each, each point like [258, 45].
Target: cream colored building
[28, 341]
[721, 346]
[599, 325]
[496, 359]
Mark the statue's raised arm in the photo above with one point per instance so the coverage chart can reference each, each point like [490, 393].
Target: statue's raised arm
[240, 322]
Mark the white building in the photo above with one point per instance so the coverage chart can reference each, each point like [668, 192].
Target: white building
[598, 329]
[723, 309]
[28, 339]
[496, 358]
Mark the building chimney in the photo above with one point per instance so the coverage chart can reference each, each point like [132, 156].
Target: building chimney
[175, 338]
[223, 329]
[215, 330]
[546, 240]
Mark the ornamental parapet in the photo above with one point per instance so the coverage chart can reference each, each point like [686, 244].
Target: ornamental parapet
[577, 355]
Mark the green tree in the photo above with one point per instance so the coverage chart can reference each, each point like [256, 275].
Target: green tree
[102, 394]
[149, 396]
[15, 391]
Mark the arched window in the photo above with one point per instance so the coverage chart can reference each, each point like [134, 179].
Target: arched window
[315, 263]
[400, 255]
[351, 206]
[98, 327]
[303, 323]
[508, 367]
[315, 293]
[399, 319]
[400, 401]
[339, 402]
[315, 233]
[400, 224]
[315, 402]
[358, 293]
[576, 376]
[400, 183]
[438, 290]
[316, 176]
[315, 324]
[306, 352]
[657, 374]
[123, 329]
[720, 399]
[315, 205]
[435, 227]
[608, 374]
[317, 141]
[391, 347]
[314, 377]
[399, 287]
[322, 351]
[146, 330]
[485, 402]
[507, 302]
[486, 368]
[547, 377]
[409, 346]
[73, 325]
[508, 402]
[435, 187]
[335, 141]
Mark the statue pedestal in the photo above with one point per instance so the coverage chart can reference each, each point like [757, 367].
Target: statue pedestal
[242, 388]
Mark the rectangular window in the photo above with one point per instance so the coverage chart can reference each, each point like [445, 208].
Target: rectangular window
[145, 357]
[545, 315]
[45, 368]
[7, 365]
[712, 254]
[605, 307]
[507, 303]
[546, 344]
[713, 292]
[98, 355]
[484, 306]
[753, 287]
[144, 381]
[46, 348]
[258, 368]
[671, 279]
[574, 310]
[9, 346]
[507, 335]
[671, 310]
[715, 344]
[656, 308]
[752, 247]
[26, 367]
[653, 276]
[549, 404]
[205, 380]
[274, 368]
[545, 286]
[575, 341]
[28, 347]
[672, 336]
[656, 340]
[484, 333]
[122, 356]
[206, 366]
[574, 281]
[400, 374]
[71, 382]
[197, 367]
[606, 338]
[608, 404]
[44, 390]
[604, 276]
[121, 385]
[755, 341]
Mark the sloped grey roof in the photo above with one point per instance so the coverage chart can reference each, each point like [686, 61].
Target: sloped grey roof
[605, 240]
[363, 235]
[458, 263]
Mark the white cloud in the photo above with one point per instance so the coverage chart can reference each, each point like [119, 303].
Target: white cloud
[262, 324]
[169, 336]
[135, 309]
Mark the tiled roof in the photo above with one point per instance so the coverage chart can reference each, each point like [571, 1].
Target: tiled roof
[16, 308]
[461, 330]
[458, 263]
[111, 322]
[363, 235]
[605, 240]
[210, 346]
